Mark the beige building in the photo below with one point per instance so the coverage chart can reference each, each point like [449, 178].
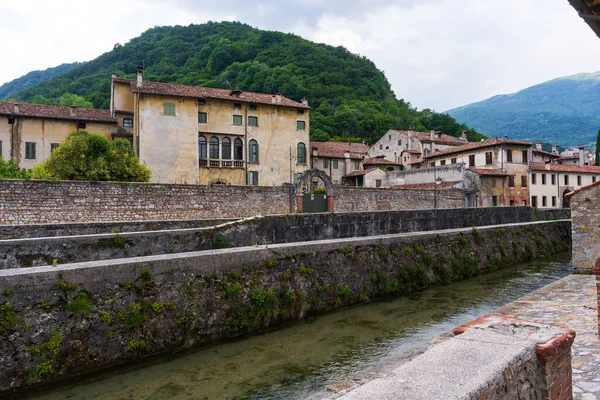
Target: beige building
[29, 132]
[193, 134]
[551, 182]
[338, 159]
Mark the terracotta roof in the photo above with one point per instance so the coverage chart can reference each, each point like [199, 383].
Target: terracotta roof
[360, 173]
[411, 152]
[546, 153]
[55, 112]
[581, 189]
[379, 160]
[427, 186]
[417, 161]
[564, 168]
[488, 172]
[573, 157]
[478, 145]
[426, 137]
[338, 149]
[171, 89]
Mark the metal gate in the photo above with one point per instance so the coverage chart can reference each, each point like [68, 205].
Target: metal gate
[314, 203]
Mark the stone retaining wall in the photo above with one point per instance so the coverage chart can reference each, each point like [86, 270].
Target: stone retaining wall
[59, 321]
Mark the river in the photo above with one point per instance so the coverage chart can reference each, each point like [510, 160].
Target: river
[302, 359]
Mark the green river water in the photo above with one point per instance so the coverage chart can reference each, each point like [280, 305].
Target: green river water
[302, 359]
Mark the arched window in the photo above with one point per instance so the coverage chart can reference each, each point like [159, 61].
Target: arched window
[214, 148]
[238, 149]
[253, 150]
[202, 147]
[301, 153]
[226, 149]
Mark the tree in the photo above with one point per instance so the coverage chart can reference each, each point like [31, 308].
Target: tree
[9, 170]
[598, 149]
[91, 157]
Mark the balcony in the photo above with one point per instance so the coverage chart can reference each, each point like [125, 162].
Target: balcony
[204, 163]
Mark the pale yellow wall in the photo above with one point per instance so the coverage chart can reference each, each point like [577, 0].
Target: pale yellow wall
[123, 99]
[231, 176]
[549, 190]
[169, 144]
[5, 137]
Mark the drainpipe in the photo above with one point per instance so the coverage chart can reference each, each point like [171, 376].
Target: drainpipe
[246, 151]
[558, 190]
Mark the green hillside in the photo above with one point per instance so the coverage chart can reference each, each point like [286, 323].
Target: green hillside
[31, 79]
[565, 111]
[350, 97]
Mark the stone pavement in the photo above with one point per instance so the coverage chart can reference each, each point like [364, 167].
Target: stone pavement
[569, 303]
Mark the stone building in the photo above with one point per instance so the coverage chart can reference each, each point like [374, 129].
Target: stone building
[338, 159]
[193, 134]
[585, 217]
[29, 132]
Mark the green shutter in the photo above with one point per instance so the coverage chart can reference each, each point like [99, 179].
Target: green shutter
[169, 109]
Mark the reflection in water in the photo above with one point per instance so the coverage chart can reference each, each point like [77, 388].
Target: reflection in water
[303, 358]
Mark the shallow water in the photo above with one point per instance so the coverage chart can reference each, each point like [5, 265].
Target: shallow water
[298, 360]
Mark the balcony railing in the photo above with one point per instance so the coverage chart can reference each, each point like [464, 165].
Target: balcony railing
[222, 163]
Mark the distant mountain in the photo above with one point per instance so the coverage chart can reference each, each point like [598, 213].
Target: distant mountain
[565, 111]
[351, 98]
[32, 79]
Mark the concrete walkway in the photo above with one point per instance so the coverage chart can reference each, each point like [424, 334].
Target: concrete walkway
[569, 303]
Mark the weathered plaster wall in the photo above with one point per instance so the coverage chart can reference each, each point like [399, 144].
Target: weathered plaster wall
[63, 320]
[585, 209]
[5, 137]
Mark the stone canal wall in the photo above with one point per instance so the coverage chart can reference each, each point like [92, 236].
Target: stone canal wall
[586, 227]
[74, 318]
[23, 253]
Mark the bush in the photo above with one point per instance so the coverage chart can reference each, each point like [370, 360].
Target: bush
[91, 157]
[9, 170]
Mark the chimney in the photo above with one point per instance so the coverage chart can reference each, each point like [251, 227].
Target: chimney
[538, 146]
[114, 75]
[529, 155]
[305, 101]
[463, 136]
[278, 98]
[554, 149]
[431, 135]
[16, 111]
[140, 76]
[581, 156]
[73, 110]
[273, 99]
[506, 137]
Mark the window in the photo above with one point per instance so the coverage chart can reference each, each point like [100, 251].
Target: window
[380, 147]
[472, 160]
[226, 149]
[523, 181]
[11, 120]
[543, 179]
[335, 182]
[524, 156]
[544, 201]
[300, 125]
[593, 177]
[253, 178]
[512, 203]
[553, 201]
[201, 102]
[566, 179]
[335, 164]
[81, 125]
[252, 121]
[238, 149]
[488, 158]
[553, 176]
[325, 163]
[399, 142]
[253, 151]
[534, 179]
[578, 180]
[301, 153]
[128, 122]
[202, 147]
[237, 106]
[377, 182]
[453, 161]
[214, 148]
[494, 201]
[238, 120]
[30, 150]
[508, 155]
[53, 146]
[169, 109]
[202, 118]
[511, 181]
[534, 201]
[443, 162]
[494, 182]
[356, 165]
[432, 164]
[300, 112]
[252, 107]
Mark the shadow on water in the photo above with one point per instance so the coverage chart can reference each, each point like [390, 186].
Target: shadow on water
[301, 359]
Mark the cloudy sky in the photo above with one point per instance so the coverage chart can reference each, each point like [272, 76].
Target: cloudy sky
[437, 54]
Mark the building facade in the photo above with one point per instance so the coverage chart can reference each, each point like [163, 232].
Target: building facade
[338, 159]
[550, 183]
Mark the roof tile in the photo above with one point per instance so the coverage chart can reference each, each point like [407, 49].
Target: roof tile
[339, 149]
[55, 112]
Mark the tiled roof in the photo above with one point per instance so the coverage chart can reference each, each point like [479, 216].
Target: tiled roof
[200, 92]
[338, 149]
[564, 168]
[417, 161]
[379, 160]
[360, 173]
[581, 189]
[546, 153]
[55, 112]
[427, 186]
[426, 137]
[564, 158]
[488, 172]
[478, 145]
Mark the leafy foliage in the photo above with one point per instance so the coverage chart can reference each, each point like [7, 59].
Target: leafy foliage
[89, 156]
[9, 170]
[351, 99]
[33, 78]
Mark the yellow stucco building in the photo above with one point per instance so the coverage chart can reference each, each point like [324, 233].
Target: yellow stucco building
[193, 134]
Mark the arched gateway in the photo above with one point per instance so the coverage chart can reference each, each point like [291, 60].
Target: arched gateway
[305, 197]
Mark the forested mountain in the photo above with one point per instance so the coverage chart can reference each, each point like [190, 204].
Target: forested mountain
[351, 99]
[33, 78]
[565, 111]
